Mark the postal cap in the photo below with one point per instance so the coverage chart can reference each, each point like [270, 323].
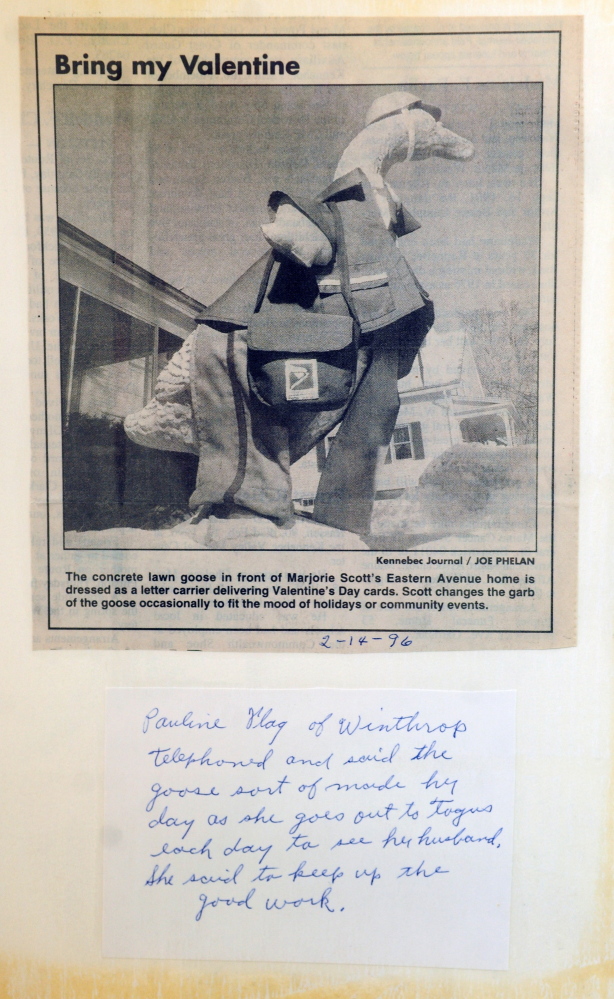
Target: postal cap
[396, 101]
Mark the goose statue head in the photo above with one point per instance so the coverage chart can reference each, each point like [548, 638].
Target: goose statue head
[399, 127]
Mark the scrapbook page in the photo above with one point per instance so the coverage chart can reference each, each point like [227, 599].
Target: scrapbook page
[361, 239]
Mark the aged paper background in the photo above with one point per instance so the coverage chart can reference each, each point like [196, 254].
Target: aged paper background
[52, 702]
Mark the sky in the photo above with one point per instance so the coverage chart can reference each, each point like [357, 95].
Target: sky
[177, 179]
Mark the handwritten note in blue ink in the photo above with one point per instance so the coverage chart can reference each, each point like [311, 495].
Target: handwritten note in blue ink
[346, 826]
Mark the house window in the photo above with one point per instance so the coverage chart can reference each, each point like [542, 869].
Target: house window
[406, 443]
[110, 360]
[168, 344]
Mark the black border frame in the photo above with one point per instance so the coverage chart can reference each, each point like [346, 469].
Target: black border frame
[285, 34]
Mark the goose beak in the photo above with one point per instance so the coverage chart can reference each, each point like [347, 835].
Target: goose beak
[444, 143]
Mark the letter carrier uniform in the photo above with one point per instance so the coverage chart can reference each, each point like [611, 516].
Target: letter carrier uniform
[246, 447]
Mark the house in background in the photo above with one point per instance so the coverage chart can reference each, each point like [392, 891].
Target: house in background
[443, 403]
[119, 325]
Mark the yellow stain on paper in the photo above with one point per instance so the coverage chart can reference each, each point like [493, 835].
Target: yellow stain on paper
[22, 979]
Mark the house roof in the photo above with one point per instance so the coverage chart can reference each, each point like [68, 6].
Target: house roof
[70, 233]
[439, 362]
[480, 407]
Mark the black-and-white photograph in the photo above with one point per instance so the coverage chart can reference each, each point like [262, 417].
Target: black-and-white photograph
[298, 316]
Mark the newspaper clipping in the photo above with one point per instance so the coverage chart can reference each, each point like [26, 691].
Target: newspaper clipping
[304, 329]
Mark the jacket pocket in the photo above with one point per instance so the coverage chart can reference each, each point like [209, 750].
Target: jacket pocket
[370, 289]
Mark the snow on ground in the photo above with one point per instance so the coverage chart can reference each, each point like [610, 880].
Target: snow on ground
[472, 497]
[242, 533]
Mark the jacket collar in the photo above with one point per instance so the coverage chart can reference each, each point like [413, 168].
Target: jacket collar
[357, 179]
